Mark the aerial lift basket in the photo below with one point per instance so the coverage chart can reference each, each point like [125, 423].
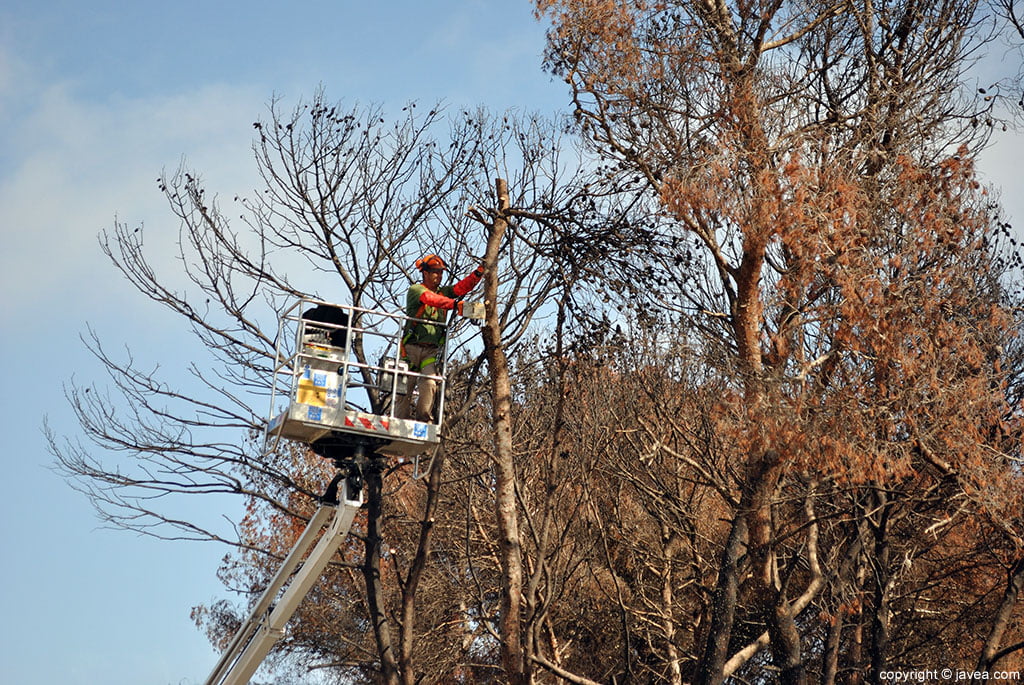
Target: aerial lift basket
[322, 391]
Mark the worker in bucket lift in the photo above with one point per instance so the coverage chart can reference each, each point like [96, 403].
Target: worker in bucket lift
[422, 342]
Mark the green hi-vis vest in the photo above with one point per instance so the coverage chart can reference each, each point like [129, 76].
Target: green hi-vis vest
[425, 333]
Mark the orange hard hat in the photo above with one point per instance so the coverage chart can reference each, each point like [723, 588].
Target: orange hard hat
[430, 261]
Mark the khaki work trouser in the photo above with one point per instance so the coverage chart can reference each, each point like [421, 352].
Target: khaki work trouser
[415, 354]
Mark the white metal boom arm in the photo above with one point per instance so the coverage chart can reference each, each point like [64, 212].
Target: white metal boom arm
[265, 625]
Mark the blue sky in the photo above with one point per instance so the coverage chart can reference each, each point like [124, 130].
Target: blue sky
[96, 100]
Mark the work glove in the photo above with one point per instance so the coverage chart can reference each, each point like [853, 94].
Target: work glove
[458, 307]
[479, 272]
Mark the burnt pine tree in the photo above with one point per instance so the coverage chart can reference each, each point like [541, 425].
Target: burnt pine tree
[826, 247]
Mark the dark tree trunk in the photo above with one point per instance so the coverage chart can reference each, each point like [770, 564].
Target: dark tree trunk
[371, 574]
[880, 618]
[723, 606]
[991, 653]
